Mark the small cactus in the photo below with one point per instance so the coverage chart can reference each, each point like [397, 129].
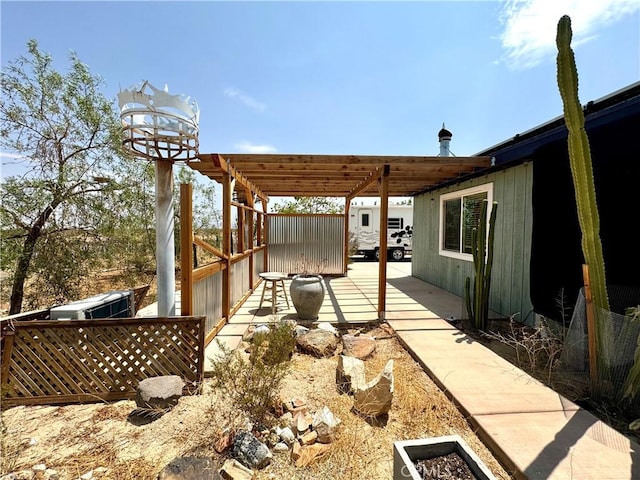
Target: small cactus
[482, 250]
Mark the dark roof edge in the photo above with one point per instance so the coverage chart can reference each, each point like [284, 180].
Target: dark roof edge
[593, 106]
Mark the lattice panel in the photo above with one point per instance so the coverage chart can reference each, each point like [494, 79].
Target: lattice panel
[79, 360]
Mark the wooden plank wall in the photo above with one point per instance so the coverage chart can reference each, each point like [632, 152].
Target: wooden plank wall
[77, 361]
[510, 280]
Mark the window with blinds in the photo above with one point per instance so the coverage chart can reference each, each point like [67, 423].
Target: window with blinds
[472, 205]
[460, 214]
[452, 215]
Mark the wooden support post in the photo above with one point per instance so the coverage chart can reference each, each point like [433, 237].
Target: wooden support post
[201, 349]
[186, 249]
[6, 355]
[252, 218]
[265, 235]
[251, 245]
[591, 330]
[347, 204]
[227, 190]
[382, 260]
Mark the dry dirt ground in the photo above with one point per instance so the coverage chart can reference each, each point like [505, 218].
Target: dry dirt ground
[75, 439]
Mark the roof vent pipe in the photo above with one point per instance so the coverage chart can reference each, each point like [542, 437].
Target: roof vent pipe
[444, 136]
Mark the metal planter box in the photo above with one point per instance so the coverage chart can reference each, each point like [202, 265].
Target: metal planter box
[406, 452]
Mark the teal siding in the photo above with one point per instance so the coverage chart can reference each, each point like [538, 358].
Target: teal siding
[509, 294]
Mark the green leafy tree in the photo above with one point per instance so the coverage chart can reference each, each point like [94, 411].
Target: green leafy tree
[66, 137]
[310, 205]
[205, 217]
[130, 226]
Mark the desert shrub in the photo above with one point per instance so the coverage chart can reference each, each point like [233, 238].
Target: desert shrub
[536, 348]
[252, 381]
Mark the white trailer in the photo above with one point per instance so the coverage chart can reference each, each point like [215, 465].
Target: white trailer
[364, 224]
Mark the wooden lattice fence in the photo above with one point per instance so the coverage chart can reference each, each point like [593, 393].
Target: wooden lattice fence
[71, 361]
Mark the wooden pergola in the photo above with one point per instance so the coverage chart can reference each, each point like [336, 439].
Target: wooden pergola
[258, 176]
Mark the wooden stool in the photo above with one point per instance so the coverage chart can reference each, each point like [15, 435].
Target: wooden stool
[273, 281]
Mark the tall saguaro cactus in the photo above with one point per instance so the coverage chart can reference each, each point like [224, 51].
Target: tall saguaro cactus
[580, 160]
[482, 250]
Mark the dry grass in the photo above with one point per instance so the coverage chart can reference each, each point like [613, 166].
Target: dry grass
[76, 439]
[363, 448]
[106, 455]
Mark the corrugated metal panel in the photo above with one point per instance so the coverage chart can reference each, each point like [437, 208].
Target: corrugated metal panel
[258, 265]
[510, 278]
[239, 280]
[207, 293]
[320, 238]
[207, 299]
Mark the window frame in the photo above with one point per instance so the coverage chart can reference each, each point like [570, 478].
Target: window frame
[460, 194]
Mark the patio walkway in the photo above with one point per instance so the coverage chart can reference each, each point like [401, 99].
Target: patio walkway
[534, 431]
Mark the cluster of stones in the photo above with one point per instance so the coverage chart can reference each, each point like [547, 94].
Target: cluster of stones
[300, 434]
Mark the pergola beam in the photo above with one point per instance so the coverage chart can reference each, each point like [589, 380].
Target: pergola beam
[365, 184]
[377, 160]
[224, 166]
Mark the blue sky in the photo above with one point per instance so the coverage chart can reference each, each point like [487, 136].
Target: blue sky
[342, 77]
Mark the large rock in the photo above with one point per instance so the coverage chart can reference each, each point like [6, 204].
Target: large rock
[375, 398]
[159, 392]
[359, 346]
[250, 451]
[318, 342]
[350, 374]
[190, 468]
[325, 424]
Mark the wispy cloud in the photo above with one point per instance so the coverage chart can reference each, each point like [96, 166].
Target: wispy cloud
[248, 147]
[245, 99]
[13, 156]
[529, 33]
